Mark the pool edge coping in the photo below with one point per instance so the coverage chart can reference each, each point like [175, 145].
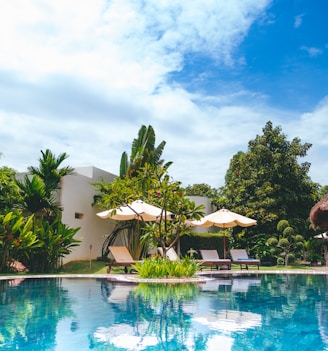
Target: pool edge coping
[201, 276]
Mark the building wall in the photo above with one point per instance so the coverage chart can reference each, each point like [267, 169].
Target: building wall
[76, 198]
[209, 208]
[205, 201]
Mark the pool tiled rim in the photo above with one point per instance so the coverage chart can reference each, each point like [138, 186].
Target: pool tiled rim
[201, 276]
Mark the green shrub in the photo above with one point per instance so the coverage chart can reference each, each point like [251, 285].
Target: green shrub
[291, 258]
[157, 267]
[280, 261]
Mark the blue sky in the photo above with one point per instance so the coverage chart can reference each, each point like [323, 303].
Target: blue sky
[207, 75]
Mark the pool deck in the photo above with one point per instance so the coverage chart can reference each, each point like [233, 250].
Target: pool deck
[202, 276]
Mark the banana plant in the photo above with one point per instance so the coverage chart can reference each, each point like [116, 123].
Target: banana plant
[16, 239]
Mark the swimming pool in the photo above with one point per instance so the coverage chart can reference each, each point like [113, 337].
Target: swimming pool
[265, 312]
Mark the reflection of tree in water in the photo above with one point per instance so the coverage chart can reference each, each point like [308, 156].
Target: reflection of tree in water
[36, 306]
[163, 309]
[158, 310]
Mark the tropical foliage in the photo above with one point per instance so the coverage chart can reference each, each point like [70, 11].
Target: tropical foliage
[39, 187]
[170, 196]
[201, 189]
[31, 230]
[9, 190]
[17, 239]
[55, 240]
[143, 151]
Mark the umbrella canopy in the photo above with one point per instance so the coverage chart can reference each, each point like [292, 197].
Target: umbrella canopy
[138, 209]
[224, 219]
[322, 236]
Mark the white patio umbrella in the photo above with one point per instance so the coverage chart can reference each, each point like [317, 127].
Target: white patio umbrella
[138, 209]
[224, 219]
[322, 236]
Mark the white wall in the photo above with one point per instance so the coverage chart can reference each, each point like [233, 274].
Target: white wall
[205, 201]
[209, 208]
[77, 194]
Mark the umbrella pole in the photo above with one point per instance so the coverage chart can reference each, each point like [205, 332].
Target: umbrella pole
[224, 246]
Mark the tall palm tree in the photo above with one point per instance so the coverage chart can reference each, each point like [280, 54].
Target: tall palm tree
[143, 151]
[49, 170]
[38, 189]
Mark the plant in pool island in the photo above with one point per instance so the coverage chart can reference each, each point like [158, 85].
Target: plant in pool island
[157, 267]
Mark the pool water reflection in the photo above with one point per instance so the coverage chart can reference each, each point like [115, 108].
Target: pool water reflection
[268, 312]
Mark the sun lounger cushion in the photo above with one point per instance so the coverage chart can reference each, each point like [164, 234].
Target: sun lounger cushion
[240, 256]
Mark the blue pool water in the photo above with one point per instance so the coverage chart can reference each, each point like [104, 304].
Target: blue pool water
[265, 312]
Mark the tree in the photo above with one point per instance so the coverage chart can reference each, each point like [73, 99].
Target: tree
[143, 151]
[170, 196]
[39, 188]
[201, 189]
[9, 190]
[50, 172]
[35, 199]
[38, 192]
[146, 177]
[287, 244]
[267, 182]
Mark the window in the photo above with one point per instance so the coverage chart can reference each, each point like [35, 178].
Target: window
[78, 215]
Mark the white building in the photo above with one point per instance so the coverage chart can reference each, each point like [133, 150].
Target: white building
[76, 198]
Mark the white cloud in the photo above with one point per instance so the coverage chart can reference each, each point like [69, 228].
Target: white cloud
[298, 21]
[131, 42]
[311, 127]
[313, 52]
[83, 77]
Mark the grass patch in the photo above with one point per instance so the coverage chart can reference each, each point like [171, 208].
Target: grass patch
[285, 268]
[278, 268]
[84, 267]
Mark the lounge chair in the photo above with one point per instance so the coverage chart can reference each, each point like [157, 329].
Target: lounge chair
[211, 258]
[122, 258]
[170, 253]
[240, 256]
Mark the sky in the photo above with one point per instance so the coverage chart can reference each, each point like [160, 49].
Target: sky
[82, 77]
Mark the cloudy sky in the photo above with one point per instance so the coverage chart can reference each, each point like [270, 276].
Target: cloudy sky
[82, 77]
